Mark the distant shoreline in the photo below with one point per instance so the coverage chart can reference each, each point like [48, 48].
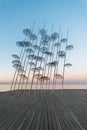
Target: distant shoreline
[66, 83]
[4, 87]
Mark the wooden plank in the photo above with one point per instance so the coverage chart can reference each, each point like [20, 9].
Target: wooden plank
[44, 112]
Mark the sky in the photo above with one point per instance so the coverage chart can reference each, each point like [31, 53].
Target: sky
[15, 15]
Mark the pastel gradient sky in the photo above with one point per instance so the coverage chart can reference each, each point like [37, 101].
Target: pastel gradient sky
[15, 15]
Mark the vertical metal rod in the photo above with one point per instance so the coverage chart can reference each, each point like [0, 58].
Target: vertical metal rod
[22, 73]
[57, 59]
[39, 73]
[35, 67]
[64, 62]
[15, 72]
[30, 65]
[24, 64]
[35, 64]
[50, 47]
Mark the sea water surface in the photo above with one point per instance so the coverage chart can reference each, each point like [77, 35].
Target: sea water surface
[6, 87]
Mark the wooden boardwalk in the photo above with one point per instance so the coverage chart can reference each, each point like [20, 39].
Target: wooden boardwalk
[44, 111]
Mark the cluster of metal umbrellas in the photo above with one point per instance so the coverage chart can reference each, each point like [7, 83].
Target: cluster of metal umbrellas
[37, 65]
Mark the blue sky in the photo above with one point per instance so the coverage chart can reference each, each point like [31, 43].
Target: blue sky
[15, 15]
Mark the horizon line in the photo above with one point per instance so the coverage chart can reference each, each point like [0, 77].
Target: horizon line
[57, 83]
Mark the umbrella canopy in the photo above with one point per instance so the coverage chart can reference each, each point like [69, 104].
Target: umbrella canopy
[38, 76]
[36, 47]
[27, 32]
[69, 47]
[53, 63]
[68, 65]
[39, 58]
[64, 40]
[45, 38]
[54, 36]
[33, 37]
[23, 44]
[15, 56]
[58, 76]
[31, 57]
[44, 78]
[30, 51]
[20, 43]
[48, 53]
[43, 49]
[61, 54]
[42, 32]
[29, 44]
[16, 62]
[23, 76]
[57, 44]
[35, 69]
[17, 66]
[21, 70]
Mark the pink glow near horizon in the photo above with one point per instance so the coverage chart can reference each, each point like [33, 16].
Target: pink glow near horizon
[67, 79]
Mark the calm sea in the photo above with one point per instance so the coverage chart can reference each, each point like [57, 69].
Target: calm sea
[6, 87]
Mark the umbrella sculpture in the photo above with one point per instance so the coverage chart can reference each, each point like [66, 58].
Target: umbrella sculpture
[37, 66]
